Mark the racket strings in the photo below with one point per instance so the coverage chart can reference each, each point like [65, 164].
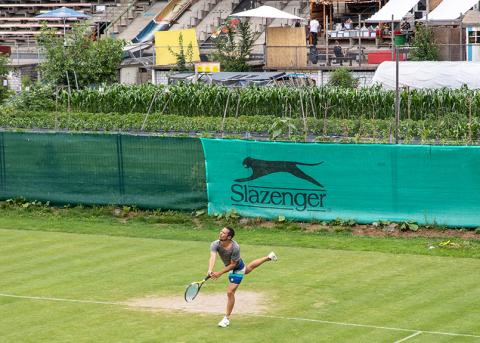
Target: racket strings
[192, 291]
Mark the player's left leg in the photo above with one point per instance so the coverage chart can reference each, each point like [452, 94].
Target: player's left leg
[259, 261]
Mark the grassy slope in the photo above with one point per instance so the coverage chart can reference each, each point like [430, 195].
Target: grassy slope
[180, 226]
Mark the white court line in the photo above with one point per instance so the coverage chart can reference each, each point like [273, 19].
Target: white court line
[411, 336]
[368, 326]
[61, 299]
[416, 332]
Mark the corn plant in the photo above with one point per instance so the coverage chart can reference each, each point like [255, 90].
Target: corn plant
[193, 100]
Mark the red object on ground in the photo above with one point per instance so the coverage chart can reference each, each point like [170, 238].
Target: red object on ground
[382, 56]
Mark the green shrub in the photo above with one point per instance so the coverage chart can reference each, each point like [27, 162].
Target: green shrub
[39, 97]
[342, 77]
[424, 46]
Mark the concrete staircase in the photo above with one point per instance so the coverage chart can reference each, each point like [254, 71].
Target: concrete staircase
[194, 14]
[205, 16]
[111, 13]
[215, 18]
[260, 25]
[120, 16]
[142, 20]
[295, 7]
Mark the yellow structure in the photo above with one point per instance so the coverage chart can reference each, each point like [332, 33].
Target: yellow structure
[169, 39]
[207, 67]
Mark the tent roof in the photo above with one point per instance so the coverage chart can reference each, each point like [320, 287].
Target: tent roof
[63, 12]
[266, 12]
[397, 8]
[430, 75]
[472, 18]
[450, 9]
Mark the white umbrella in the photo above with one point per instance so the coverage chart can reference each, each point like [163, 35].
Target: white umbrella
[266, 12]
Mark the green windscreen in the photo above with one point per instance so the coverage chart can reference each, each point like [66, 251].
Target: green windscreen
[146, 171]
[366, 183]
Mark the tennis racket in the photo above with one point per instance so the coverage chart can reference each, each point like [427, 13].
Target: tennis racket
[193, 289]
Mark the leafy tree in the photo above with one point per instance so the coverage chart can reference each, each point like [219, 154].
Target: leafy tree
[424, 46]
[4, 91]
[342, 77]
[234, 46]
[78, 60]
[181, 56]
[3, 65]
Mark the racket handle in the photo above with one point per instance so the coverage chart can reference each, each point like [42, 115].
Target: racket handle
[207, 277]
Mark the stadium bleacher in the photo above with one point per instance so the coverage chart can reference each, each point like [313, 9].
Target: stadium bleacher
[18, 22]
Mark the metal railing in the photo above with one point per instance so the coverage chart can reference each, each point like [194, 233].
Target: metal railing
[109, 30]
[305, 57]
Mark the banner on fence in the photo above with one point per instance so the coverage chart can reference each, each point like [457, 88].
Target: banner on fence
[149, 172]
[366, 183]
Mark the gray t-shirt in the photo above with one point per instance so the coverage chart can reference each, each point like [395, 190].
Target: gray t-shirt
[227, 255]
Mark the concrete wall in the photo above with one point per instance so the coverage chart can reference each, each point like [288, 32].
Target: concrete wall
[160, 77]
[129, 75]
[14, 77]
[322, 77]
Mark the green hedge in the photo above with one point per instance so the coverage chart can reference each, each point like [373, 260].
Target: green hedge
[451, 128]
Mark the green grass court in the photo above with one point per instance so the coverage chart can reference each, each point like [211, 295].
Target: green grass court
[69, 287]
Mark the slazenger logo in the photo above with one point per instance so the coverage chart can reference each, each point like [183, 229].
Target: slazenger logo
[299, 199]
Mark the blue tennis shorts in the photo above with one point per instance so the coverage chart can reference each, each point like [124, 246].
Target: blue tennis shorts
[236, 276]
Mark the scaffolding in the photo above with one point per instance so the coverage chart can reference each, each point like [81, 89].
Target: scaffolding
[324, 10]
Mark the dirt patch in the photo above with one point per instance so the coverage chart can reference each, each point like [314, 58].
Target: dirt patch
[268, 225]
[393, 230]
[366, 230]
[245, 303]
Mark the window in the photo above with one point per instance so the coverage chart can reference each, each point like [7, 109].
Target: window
[422, 5]
[473, 37]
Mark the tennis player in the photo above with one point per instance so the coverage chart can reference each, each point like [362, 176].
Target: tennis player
[229, 252]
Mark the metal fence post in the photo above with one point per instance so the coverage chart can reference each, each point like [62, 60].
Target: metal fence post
[360, 40]
[326, 43]
[392, 37]
[397, 96]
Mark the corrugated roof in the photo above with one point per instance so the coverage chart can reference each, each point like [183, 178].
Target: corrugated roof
[247, 76]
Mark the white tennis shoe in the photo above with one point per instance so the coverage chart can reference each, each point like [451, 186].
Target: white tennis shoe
[224, 322]
[272, 256]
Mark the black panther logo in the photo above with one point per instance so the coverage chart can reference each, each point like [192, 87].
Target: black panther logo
[262, 168]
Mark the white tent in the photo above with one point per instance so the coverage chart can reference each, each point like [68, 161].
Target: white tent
[430, 75]
[450, 9]
[397, 8]
[266, 12]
